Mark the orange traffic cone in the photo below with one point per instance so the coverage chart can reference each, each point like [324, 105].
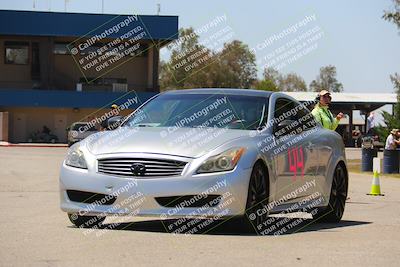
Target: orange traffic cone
[375, 187]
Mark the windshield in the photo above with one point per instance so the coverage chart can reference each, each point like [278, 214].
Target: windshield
[202, 110]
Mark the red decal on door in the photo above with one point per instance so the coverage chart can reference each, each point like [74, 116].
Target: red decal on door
[296, 161]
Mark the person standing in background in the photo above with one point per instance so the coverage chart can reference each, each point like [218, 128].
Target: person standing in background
[322, 114]
[392, 140]
[370, 123]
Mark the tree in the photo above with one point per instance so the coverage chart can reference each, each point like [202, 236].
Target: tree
[271, 80]
[266, 85]
[394, 15]
[292, 83]
[165, 78]
[275, 81]
[326, 80]
[236, 66]
[183, 70]
[391, 121]
[396, 85]
[272, 75]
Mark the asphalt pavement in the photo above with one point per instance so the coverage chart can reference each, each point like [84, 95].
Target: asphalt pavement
[35, 232]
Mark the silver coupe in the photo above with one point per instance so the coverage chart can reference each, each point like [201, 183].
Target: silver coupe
[211, 154]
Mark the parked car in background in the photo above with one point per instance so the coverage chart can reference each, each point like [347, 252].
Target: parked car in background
[40, 137]
[372, 142]
[79, 131]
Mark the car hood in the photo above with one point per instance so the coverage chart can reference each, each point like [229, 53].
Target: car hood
[185, 142]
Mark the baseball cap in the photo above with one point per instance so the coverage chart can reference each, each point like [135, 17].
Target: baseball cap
[324, 92]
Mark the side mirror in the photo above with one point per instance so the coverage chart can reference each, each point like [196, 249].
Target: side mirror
[283, 128]
[114, 122]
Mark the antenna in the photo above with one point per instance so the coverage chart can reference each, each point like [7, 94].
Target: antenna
[158, 9]
[102, 6]
[34, 4]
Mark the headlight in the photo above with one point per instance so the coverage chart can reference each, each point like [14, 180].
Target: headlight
[76, 159]
[225, 161]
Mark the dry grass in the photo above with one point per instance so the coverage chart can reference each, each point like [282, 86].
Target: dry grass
[354, 165]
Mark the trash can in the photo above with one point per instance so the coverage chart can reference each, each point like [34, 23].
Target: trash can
[367, 157]
[390, 161]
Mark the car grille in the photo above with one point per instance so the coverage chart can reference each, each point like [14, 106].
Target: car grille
[154, 167]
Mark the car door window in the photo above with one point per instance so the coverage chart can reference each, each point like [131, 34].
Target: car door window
[296, 118]
[285, 114]
[304, 117]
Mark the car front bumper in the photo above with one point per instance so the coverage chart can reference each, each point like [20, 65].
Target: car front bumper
[137, 196]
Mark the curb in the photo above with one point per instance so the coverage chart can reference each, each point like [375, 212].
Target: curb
[7, 144]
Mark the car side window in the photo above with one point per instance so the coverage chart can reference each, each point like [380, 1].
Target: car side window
[304, 117]
[291, 118]
[283, 117]
[282, 106]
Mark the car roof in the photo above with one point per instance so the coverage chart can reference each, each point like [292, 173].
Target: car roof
[226, 91]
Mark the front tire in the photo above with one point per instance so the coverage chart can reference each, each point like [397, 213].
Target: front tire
[257, 199]
[333, 213]
[86, 221]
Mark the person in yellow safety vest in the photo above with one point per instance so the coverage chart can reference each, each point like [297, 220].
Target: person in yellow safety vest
[322, 114]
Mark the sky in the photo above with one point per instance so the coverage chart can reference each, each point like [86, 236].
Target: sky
[352, 34]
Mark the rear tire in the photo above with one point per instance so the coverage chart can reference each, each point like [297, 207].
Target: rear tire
[257, 199]
[334, 211]
[86, 221]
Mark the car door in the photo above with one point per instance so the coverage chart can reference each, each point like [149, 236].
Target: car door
[311, 135]
[295, 154]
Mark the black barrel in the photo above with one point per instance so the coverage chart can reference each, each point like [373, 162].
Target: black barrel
[390, 161]
[367, 158]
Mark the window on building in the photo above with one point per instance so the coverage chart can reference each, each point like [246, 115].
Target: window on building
[16, 53]
[35, 66]
[61, 49]
[102, 81]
